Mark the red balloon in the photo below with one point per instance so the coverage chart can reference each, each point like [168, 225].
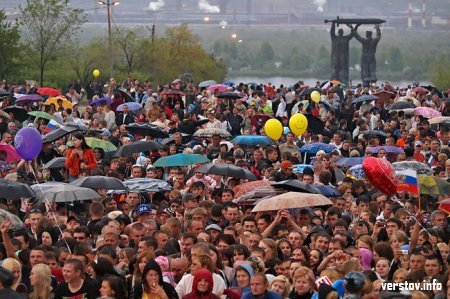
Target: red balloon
[381, 174]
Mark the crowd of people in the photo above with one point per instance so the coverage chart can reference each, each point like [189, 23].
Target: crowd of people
[199, 238]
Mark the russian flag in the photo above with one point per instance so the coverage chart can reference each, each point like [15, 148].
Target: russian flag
[51, 126]
[408, 181]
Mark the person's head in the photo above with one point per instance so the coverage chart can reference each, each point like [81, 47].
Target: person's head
[263, 222]
[137, 232]
[258, 284]
[243, 275]
[439, 218]
[37, 255]
[78, 141]
[400, 275]
[269, 247]
[322, 241]
[40, 280]
[433, 265]
[35, 216]
[303, 281]
[13, 266]
[72, 271]
[203, 282]
[232, 213]
[201, 261]
[187, 242]
[147, 244]
[416, 261]
[111, 287]
[280, 285]
[382, 267]
[152, 275]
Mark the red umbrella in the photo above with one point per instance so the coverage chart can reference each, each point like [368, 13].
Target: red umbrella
[385, 95]
[219, 87]
[420, 90]
[445, 205]
[48, 91]
[247, 187]
[172, 93]
[10, 151]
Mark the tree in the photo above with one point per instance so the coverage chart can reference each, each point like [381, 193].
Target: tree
[9, 46]
[129, 44]
[395, 59]
[440, 72]
[266, 52]
[47, 26]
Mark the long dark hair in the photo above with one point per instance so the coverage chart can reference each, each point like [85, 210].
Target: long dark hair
[116, 284]
[80, 136]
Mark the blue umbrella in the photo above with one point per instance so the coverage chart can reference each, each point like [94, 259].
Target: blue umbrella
[228, 83]
[300, 167]
[286, 130]
[328, 191]
[348, 162]
[207, 83]
[180, 160]
[132, 106]
[364, 98]
[252, 140]
[313, 148]
[357, 171]
[98, 101]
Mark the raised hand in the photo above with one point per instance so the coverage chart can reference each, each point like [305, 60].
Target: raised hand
[5, 225]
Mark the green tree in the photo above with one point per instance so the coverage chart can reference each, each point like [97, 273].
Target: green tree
[47, 26]
[266, 53]
[128, 43]
[9, 46]
[395, 59]
[440, 71]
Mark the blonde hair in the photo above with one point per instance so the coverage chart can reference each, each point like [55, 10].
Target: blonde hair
[418, 295]
[400, 236]
[332, 274]
[400, 271]
[9, 264]
[287, 285]
[367, 240]
[304, 272]
[442, 246]
[43, 285]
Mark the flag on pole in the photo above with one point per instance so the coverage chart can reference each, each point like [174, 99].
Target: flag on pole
[408, 181]
[51, 126]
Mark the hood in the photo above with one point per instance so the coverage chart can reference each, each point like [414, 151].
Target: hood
[247, 268]
[203, 274]
[366, 258]
[152, 265]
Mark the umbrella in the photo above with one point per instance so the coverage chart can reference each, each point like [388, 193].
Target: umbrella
[58, 162]
[28, 98]
[4, 114]
[249, 186]
[210, 132]
[327, 105]
[296, 185]
[427, 112]
[308, 91]
[15, 190]
[100, 182]
[315, 125]
[357, 171]
[125, 95]
[180, 160]
[388, 149]
[16, 223]
[172, 138]
[385, 95]
[349, 162]
[259, 119]
[373, 133]
[64, 102]
[146, 185]
[313, 148]
[291, 200]
[58, 133]
[10, 151]
[219, 87]
[41, 187]
[400, 105]
[66, 193]
[335, 82]
[364, 98]
[99, 101]
[229, 95]
[433, 185]
[420, 90]
[48, 91]
[421, 168]
[145, 129]
[207, 83]
[42, 114]
[227, 170]
[172, 93]
[19, 112]
[229, 83]
[132, 106]
[328, 191]
[252, 140]
[439, 119]
[300, 167]
[410, 99]
[107, 146]
[137, 147]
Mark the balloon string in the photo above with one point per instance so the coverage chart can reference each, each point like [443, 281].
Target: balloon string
[47, 203]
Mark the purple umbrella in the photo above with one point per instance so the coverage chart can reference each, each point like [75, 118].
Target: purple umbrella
[132, 106]
[28, 98]
[427, 112]
[98, 101]
[388, 149]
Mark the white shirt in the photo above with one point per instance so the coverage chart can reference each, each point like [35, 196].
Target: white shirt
[184, 287]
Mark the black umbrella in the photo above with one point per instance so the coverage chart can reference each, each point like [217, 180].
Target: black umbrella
[125, 95]
[19, 113]
[364, 98]
[100, 182]
[374, 133]
[14, 190]
[147, 130]
[308, 91]
[227, 170]
[400, 106]
[147, 185]
[137, 147]
[315, 125]
[58, 162]
[79, 127]
[296, 185]
[58, 133]
[228, 95]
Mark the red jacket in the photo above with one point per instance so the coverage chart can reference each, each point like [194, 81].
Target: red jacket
[73, 164]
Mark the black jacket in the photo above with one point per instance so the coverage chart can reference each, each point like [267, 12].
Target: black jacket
[168, 288]
[128, 119]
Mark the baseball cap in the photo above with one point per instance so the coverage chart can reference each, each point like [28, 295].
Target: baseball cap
[286, 164]
[105, 133]
[417, 143]
[144, 208]
[70, 218]
[214, 227]
[188, 197]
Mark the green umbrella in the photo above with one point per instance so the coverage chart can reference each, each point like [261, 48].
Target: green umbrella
[180, 160]
[42, 114]
[93, 142]
[433, 185]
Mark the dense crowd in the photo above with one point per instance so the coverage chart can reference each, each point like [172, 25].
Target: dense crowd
[195, 236]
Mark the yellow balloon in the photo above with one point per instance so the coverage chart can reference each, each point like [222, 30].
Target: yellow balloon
[315, 96]
[273, 128]
[96, 73]
[298, 124]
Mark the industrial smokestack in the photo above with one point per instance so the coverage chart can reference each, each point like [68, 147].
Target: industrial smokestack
[410, 14]
[424, 14]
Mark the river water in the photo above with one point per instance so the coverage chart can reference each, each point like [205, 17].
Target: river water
[288, 81]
